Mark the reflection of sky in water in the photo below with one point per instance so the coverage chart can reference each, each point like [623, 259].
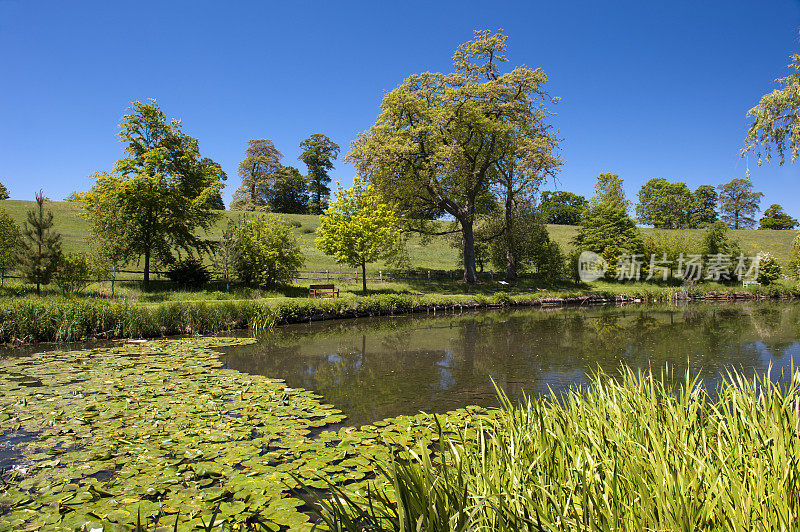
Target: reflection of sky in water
[379, 368]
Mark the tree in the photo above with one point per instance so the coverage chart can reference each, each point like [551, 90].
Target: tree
[606, 228]
[440, 139]
[211, 166]
[776, 124]
[561, 207]
[775, 218]
[226, 254]
[288, 193]
[704, 206]
[358, 229]
[608, 189]
[161, 189]
[3, 192]
[72, 274]
[769, 270]
[738, 204]
[267, 251]
[257, 170]
[717, 241]
[319, 152]
[665, 205]
[41, 246]
[9, 244]
[794, 257]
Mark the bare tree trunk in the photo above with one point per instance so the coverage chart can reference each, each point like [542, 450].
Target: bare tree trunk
[147, 267]
[511, 263]
[468, 246]
[364, 276]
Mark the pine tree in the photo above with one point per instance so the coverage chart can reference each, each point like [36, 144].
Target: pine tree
[41, 246]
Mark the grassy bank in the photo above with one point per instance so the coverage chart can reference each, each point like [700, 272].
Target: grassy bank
[626, 454]
[60, 319]
[438, 254]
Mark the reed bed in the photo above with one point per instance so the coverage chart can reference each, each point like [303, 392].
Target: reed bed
[633, 453]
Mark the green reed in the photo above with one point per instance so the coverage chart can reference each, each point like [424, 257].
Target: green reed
[632, 453]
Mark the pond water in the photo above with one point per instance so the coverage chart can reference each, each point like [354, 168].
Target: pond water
[381, 367]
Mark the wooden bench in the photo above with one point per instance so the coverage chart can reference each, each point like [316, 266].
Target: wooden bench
[323, 290]
[745, 284]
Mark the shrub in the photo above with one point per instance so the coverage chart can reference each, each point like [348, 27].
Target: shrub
[268, 252]
[794, 257]
[189, 273]
[72, 272]
[769, 270]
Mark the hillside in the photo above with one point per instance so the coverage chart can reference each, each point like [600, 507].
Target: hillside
[437, 254]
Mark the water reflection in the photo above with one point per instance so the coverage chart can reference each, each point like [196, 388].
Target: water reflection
[384, 367]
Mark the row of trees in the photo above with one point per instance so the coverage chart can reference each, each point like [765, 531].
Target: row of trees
[269, 185]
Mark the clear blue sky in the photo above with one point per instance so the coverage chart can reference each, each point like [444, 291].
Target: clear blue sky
[649, 89]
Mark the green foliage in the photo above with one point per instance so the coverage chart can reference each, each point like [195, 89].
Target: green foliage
[4, 195]
[442, 140]
[41, 245]
[257, 170]
[738, 203]
[189, 273]
[666, 251]
[268, 252]
[769, 270]
[10, 244]
[226, 254]
[72, 272]
[212, 167]
[717, 240]
[631, 453]
[608, 190]
[319, 152]
[161, 191]
[288, 193]
[776, 124]
[775, 218]
[665, 205]
[704, 206]
[563, 208]
[794, 257]
[606, 228]
[358, 229]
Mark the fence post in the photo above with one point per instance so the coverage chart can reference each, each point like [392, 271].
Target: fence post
[380, 275]
[356, 276]
[429, 275]
[327, 275]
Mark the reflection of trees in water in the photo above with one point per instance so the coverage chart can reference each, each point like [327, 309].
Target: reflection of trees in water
[378, 369]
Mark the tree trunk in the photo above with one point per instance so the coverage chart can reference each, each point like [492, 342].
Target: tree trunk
[364, 276]
[511, 263]
[468, 247]
[147, 267]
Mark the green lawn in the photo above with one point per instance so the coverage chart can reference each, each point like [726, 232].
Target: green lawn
[438, 254]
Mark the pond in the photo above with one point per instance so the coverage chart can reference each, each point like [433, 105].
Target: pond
[376, 368]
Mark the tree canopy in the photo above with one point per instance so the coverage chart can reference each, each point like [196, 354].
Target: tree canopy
[3, 192]
[161, 189]
[358, 229]
[664, 204]
[41, 244]
[775, 218]
[704, 206]
[776, 119]
[10, 240]
[441, 140]
[258, 169]
[561, 207]
[738, 203]
[319, 152]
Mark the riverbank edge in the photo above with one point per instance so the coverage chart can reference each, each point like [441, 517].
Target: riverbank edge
[29, 321]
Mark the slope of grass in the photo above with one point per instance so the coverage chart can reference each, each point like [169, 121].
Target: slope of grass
[437, 254]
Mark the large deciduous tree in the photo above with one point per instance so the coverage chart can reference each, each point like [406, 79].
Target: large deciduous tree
[358, 229]
[704, 206]
[561, 207]
[161, 190]
[665, 205]
[262, 161]
[775, 218]
[738, 204]
[288, 193]
[776, 120]
[319, 152]
[41, 245]
[441, 139]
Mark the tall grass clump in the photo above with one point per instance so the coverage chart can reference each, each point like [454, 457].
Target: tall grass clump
[633, 453]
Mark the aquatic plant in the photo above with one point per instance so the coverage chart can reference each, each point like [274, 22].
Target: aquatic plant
[624, 454]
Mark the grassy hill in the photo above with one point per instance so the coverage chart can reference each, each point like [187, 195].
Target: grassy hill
[437, 254]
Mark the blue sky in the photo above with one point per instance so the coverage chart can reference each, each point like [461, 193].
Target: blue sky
[648, 89]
